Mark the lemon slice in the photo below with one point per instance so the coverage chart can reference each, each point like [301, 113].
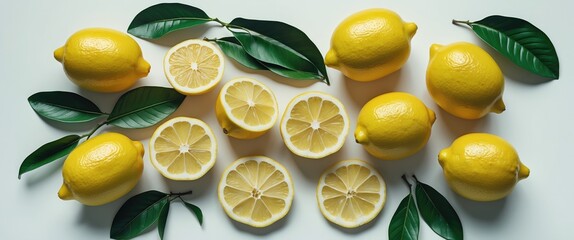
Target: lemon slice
[314, 125]
[351, 193]
[193, 66]
[246, 109]
[256, 191]
[183, 148]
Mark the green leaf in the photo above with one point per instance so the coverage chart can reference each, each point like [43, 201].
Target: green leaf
[48, 153]
[405, 222]
[158, 20]
[64, 107]
[290, 36]
[138, 214]
[437, 212]
[233, 49]
[162, 220]
[268, 50]
[196, 211]
[144, 106]
[293, 74]
[520, 41]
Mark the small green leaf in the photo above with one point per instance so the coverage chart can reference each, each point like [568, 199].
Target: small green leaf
[48, 153]
[520, 41]
[144, 106]
[196, 211]
[138, 214]
[290, 36]
[64, 107]
[437, 212]
[293, 74]
[158, 20]
[233, 49]
[162, 220]
[268, 50]
[405, 222]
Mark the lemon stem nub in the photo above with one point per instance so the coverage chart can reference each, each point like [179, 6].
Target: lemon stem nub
[143, 67]
[498, 106]
[59, 54]
[65, 193]
[523, 172]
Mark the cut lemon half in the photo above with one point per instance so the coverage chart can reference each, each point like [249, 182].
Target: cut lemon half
[256, 191]
[193, 66]
[245, 108]
[351, 193]
[183, 148]
[314, 125]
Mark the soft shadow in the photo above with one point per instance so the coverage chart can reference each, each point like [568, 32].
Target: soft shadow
[173, 38]
[458, 126]
[100, 217]
[251, 147]
[313, 168]
[265, 230]
[41, 174]
[484, 211]
[362, 92]
[199, 186]
[392, 170]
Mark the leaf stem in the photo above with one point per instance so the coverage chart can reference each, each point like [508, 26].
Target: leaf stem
[223, 24]
[404, 177]
[180, 193]
[210, 39]
[459, 22]
[94, 130]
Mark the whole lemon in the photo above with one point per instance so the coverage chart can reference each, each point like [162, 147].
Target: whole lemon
[394, 125]
[370, 44]
[464, 80]
[482, 167]
[102, 60]
[102, 169]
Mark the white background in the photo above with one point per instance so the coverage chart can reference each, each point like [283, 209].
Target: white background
[538, 121]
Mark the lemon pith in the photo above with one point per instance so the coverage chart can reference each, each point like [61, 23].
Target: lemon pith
[246, 108]
[464, 80]
[102, 60]
[183, 148]
[314, 125]
[256, 191]
[370, 44]
[482, 167]
[102, 169]
[351, 193]
[394, 125]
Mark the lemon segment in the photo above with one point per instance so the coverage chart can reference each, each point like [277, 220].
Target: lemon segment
[482, 167]
[314, 125]
[193, 66]
[183, 148]
[256, 191]
[351, 193]
[246, 109]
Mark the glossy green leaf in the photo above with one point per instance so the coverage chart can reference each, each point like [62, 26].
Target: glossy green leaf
[268, 50]
[288, 73]
[64, 107]
[437, 212]
[144, 106]
[405, 222]
[233, 49]
[48, 153]
[520, 41]
[158, 20]
[196, 211]
[162, 220]
[138, 214]
[288, 35]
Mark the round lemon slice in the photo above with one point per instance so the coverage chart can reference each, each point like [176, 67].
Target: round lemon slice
[256, 191]
[183, 148]
[351, 193]
[314, 125]
[193, 66]
[246, 109]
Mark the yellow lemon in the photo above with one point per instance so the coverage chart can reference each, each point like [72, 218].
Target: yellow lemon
[256, 191]
[394, 125]
[464, 80]
[193, 66]
[102, 60]
[370, 44]
[482, 167]
[351, 193]
[183, 148]
[102, 169]
[314, 125]
[246, 108]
